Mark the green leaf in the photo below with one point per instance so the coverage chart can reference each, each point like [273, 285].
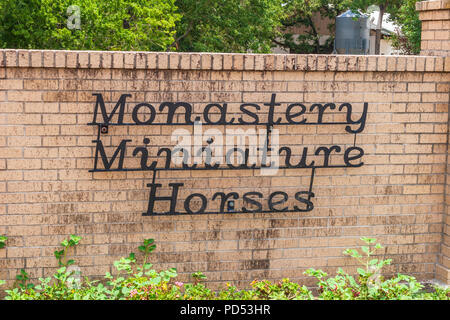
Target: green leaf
[368, 240]
[148, 241]
[2, 241]
[126, 291]
[75, 239]
[387, 261]
[155, 281]
[353, 253]
[147, 266]
[362, 272]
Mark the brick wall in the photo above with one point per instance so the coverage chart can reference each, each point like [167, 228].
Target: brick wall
[46, 152]
[435, 17]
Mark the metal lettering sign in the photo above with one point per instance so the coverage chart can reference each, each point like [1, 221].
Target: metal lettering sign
[257, 155]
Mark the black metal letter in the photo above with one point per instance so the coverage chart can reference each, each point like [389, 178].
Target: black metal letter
[361, 121]
[153, 197]
[273, 203]
[249, 113]
[271, 106]
[106, 119]
[348, 158]
[249, 200]
[322, 109]
[290, 116]
[308, 202]
[144, 156]
[223, 114]
[108, 163]
[187, 203]
[136, 110]
[327, 151]
[224, 198]
[173, 107]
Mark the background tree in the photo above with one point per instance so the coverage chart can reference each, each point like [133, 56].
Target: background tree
[408, 41]
[190, 25]
[228, 25]
[104, 25]
[385, 6]
[301, 13]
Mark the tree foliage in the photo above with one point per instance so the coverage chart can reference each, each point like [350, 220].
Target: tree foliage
[301, 13]
[188, 25]
[408, 41]
[104, 25]
[228, 25]
[385, 6]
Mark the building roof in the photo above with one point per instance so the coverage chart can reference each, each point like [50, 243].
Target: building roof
[388, 27]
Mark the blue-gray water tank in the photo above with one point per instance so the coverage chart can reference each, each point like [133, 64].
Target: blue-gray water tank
[352, 33]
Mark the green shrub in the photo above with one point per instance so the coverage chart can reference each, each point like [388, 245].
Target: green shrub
[2, 245]
[281, 290]
[439, 293]
[140, 281]
[61, 287]
[370, 284]
[233, 293]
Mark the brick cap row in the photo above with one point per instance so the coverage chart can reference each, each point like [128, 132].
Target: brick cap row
[432, 5]
[218, 61]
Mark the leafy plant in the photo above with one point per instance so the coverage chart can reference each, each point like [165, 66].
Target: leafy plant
[62, 286]
[22, 280]
[281, 290]
[340, 287]
[372, 266]
[370, 284]
[198, 277]
[100, 25]
[233, 293]
[439, 293]
[139, 281]
[61, 255]
[406, 16]
[2, 245]
[3, 241]
[146, 248]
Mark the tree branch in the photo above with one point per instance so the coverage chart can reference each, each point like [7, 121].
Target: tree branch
[316, 35]
[188, 29]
